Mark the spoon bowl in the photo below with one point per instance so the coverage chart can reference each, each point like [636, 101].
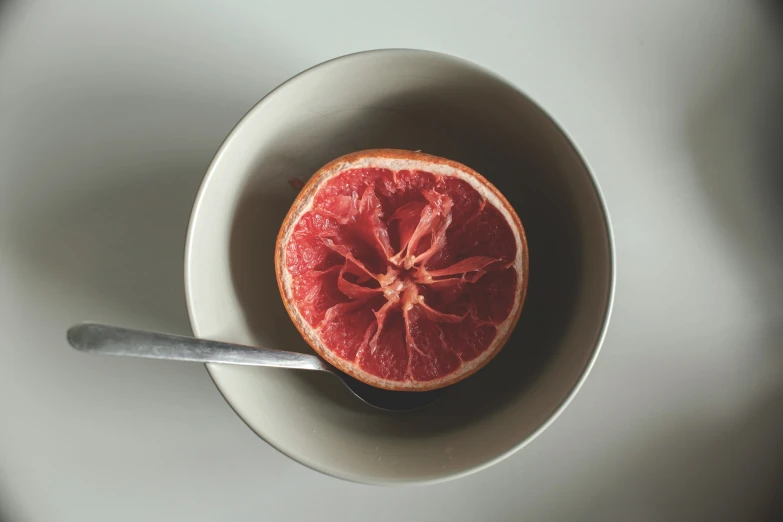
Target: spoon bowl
[114, 340]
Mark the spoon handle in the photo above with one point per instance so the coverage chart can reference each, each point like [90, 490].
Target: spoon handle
[113, 340]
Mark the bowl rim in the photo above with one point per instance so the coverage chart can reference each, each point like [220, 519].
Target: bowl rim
[611, 283]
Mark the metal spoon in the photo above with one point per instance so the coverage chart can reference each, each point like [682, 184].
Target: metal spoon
[113, 340]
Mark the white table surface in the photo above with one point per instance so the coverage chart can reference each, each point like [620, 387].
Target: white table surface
[110, 114]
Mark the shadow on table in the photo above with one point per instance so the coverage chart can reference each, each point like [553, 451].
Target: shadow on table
[113, 186]
[700, 467]
[722, 469]
[736, 135]
[114, 191]
[724, 466]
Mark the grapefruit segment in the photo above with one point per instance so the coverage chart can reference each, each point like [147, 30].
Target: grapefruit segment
[386, 354]
[469, 338]
[492, 296]
[430, 356]
[404, 270]
[318, 290]
[345, 328]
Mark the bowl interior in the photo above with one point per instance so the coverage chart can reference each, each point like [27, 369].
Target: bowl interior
[444, 106]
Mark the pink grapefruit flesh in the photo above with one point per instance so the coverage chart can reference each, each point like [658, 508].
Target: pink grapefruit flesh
[404, 270]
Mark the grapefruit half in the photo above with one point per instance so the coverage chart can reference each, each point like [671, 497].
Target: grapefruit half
[404, 270]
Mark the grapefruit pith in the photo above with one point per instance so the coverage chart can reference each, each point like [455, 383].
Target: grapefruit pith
[405, 270]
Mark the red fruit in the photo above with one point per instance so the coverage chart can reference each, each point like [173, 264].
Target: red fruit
[404, 270]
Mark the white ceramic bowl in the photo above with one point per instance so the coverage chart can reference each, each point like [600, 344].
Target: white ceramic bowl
[444, 106]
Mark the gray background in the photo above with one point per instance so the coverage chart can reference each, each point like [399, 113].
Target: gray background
[110, 114]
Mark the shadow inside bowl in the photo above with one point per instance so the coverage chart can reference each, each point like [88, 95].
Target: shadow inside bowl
[438, 121]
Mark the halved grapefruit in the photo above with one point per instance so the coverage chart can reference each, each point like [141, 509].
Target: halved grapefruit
[405, 270]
